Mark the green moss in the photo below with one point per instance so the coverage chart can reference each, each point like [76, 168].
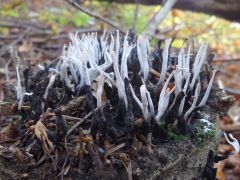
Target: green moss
[202, 137]
[175, 136]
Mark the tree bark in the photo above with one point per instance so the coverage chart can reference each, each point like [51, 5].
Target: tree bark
[227, 9]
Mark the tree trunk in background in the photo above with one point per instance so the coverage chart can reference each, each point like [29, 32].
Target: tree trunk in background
[227, 9]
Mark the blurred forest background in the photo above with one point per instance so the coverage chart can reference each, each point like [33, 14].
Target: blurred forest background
[40, 28]
[55, 17]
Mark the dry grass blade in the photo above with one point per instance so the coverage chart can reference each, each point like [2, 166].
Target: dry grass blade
[145, 140]
[78, 123]
[112, 150]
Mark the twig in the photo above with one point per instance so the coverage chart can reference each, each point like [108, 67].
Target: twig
[71, 118]
[172, 164]
[226, 60]
[154, 72]
[145, 140]
[135, 22]
[20, 24]
[65, 160]
[78, 123]
[115, 148]
[231, 90]
[88, 12]
[159, 17]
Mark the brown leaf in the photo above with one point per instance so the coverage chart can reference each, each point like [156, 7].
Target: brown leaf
[225, 149]
[231, 167]
[41, 132]
[229, 127]
[220, 174]
[9, 133]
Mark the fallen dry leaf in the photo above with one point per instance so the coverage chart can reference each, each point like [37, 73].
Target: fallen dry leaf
[224, 149]
[231, 168]
[41, 132]
[220, 174]
[229, 127]
[9, 133]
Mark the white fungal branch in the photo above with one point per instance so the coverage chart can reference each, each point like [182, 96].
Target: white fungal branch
[100, 90]
[20, 91]
[146, 103]
[182, 73]
[142, 53]
[150, 103]
[165, 56]
[120, 83]
[86, 70]
[207, 93]
[126, 52]
[181, 107]
[178, 81]
[164, 99]
[199, 59]
[19, 86]
[233, 141]
[117, 44]
[50, 84]
[136, 98]
[195, 99]
[103, 42]
[7, 71]
[64, 74]
[143, 92]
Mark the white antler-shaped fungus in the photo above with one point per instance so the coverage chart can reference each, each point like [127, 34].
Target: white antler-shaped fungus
[199, 59]
[163, 99]
[207, 93]
[195, 99]
[142, 52]
[165, 56]
[234, 142]
[126, 52]
[120, 83]
[19, 89]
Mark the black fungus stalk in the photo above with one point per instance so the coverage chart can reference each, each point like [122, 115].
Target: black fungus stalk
[61, 125]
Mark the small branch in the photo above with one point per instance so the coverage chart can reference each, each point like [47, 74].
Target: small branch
[88, 12]
[135, 21]
[154, 72]
[232, 60]
[159, 17]
[173, 164]
[231, 90]
[78, 123]
[17, 23]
